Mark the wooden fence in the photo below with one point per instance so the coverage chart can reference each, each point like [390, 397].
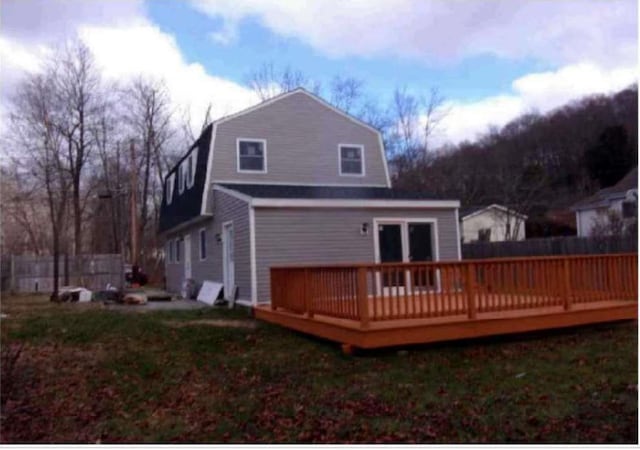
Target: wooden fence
[26, 274]
[561, 245]
[390, 291]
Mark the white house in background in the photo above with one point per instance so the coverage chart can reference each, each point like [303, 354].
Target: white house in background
[491, 223]
[620, 199]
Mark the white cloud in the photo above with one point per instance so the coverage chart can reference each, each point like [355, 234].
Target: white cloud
[561, 32]
[542, 92]
[144, 49]
[124, 43]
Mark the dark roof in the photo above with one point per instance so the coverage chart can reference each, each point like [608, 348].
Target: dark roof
[629, 181]
[327, 192]
[188, 205]
[468, 210]
[464, 212]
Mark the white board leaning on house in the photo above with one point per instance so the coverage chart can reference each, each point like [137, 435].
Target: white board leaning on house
[209, 292]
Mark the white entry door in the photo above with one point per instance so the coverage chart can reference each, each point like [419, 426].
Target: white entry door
[228, 266]
[187, 256]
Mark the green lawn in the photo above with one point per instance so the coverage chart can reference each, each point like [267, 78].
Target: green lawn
[85, 374]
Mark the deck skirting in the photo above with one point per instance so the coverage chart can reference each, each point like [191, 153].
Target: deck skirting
[416, 331]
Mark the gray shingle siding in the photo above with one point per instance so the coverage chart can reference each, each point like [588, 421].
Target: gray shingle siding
[323, 235]
[226, 208]
[302, 144]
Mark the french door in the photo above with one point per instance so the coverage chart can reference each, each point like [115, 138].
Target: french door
[411, 240]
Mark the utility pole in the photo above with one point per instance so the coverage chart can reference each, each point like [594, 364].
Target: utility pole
[134, 207]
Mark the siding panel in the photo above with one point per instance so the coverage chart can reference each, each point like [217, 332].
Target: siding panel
[302, 144]
[316, 236]
[226, 208]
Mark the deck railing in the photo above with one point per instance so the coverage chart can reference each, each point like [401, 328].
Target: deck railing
[389, 291]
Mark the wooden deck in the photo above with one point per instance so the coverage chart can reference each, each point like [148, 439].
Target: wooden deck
[379, 305]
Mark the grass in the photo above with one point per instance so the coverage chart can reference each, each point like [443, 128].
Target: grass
[86, 374]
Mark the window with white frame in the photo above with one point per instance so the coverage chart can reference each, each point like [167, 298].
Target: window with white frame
[178, 249]
[192, 161]
[170, 251]
[203, 244]
[171, 180]
[351, 159]
[252, 155]
[181, 177]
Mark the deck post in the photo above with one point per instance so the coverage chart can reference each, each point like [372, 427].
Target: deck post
[308, 309]
[274, 281]
[566, 284]
[471, 290]
[363, 301]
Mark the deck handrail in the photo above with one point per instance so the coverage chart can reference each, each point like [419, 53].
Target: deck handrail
[367, 292]
[452, 262]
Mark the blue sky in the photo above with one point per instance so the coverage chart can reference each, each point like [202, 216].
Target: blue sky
[492, 60]
[469, 79]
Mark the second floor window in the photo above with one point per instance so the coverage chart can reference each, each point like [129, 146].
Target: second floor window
[351, 159]
[252, 155]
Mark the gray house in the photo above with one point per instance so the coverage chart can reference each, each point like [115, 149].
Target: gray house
[292, 180]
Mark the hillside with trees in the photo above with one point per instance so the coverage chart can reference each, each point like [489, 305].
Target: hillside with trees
[538, 162]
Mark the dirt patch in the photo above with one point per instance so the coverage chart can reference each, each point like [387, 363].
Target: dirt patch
[211, 323]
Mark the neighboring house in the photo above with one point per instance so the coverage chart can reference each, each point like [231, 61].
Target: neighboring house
[491, 223]
[292, 180]
[599, 213]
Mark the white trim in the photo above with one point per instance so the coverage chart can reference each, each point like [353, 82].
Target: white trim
[188, 261]
[177, 255]
[458, 226]
[351, 203]
[363, 172]
[264, 154]
[247, 303]
[285, 183]
[335, 203]
[225, 250]
[317, 99]
[192, 167]
[384, 159]
[252, 252]
[182, 182]
[207, 182]
[208, 179]
[200, 230]
[232, 193]
[403, 222]
[186, 224]
[170, 182]
[498, 207]
[404, 237]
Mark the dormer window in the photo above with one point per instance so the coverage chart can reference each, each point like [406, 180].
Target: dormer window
[171, 180]
[183, 173]
[252, 155]
[351, 159]
[192, 161]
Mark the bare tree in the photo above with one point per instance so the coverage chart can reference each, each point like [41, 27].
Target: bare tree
[24, 210]
[434, 112]
[149, 114]
[345, 92]
[45, 153]
[77, 90]
[267, 81]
